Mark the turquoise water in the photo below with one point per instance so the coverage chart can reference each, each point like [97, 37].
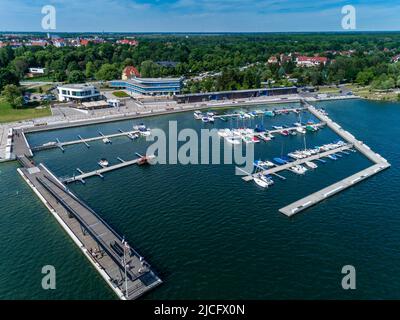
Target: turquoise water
[206, 232]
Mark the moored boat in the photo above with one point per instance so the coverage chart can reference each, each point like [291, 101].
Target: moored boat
[103, 163]
[311, 165]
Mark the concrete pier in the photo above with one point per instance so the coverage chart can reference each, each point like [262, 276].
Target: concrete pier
[333, 189]
[121, 266]
[380, 164]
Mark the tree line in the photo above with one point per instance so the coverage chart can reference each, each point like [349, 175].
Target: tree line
[237, 60]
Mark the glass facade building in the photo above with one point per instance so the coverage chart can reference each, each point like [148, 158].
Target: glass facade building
[149, 86]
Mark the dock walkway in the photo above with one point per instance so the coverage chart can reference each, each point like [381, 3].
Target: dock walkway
[379, 165]
[101, 171]
[288, 165]
[104, 248]
[61, 145]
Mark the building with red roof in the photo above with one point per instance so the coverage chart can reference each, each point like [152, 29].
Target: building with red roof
[304, 61]
[130, 72]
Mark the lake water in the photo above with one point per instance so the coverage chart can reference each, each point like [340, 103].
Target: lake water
[209, 234]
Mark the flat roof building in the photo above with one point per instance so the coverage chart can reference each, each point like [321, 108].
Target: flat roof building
[236, 94]
[77, 92]
[149, 86]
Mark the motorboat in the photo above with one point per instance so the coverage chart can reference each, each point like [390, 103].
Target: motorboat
[297, 124]
[133, 135]
[311, 165]
[106, 140]
[298, 169]
[255, 139]
[205, 119]
[332, 157]
[103, 163]
[301, 130]
[140, 127]
[198, 115]
[277, 127]
[146, 133]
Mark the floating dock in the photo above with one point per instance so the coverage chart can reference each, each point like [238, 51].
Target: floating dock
[82, 176]
[380, 164]
[122, 267]
[85, 141]
[277, 111]
[288, 165]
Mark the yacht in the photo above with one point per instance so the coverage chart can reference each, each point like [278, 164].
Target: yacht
[263, 180]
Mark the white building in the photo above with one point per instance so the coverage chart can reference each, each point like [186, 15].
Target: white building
[37, 70]
[77, 92]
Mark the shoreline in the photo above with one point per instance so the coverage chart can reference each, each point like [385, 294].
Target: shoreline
[87, 121]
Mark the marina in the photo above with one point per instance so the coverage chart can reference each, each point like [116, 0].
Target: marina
[45, 185]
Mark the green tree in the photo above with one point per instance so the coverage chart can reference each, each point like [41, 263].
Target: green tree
[150, 69]
[7, 77]
[13, 95]
[108, 72]
[76, 77]
[90, 70]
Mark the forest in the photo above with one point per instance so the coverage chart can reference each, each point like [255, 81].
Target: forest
[232, 61]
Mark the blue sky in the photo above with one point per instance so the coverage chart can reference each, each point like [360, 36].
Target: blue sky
[199, 15]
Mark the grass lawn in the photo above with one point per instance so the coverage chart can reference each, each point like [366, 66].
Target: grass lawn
[8, 114]
[328, 90]
[366, 93]
[39, 78]
[120, 94]
[45, 88]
